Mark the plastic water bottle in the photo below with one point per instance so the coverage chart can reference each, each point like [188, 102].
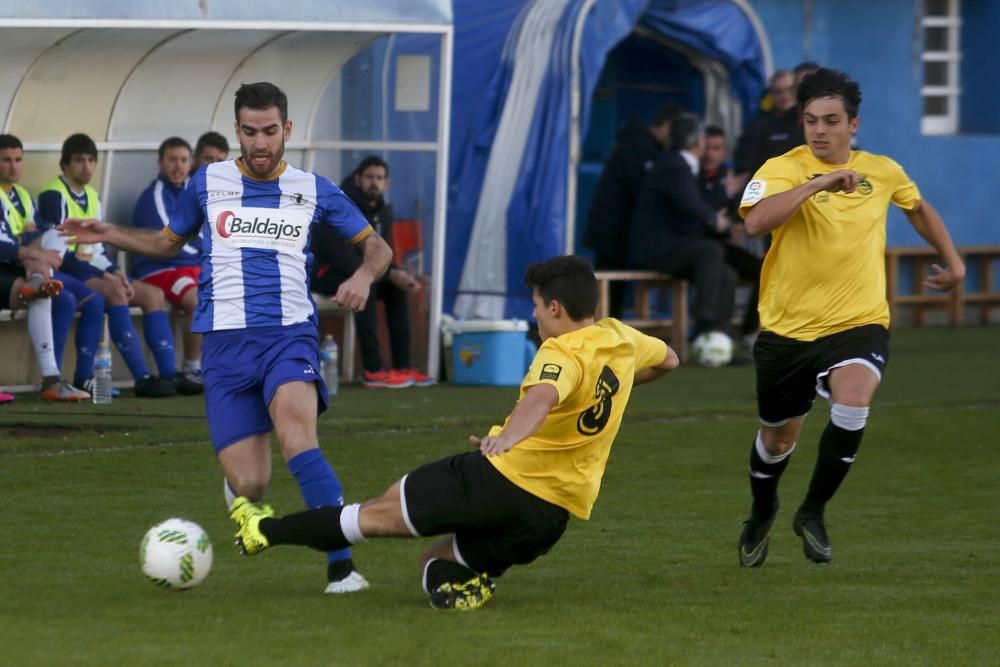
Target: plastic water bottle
[102, 375]
[329, 357]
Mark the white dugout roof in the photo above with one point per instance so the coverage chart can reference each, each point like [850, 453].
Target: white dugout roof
[131, 74]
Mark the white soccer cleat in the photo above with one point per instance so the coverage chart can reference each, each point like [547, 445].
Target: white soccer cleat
[352, 583]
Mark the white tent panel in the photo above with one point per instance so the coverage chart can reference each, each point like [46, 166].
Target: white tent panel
[73, 85]
[18, 51]
[301, 64]
[176, 88]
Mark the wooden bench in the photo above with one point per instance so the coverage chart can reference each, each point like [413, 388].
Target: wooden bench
[644, 282]
[916, 261]
[19, 367]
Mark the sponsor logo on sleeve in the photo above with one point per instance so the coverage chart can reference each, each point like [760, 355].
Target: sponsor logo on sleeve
[754, 192]
[550, 372]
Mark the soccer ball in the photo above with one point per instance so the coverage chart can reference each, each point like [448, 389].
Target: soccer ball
[176, 554]
[712, 349]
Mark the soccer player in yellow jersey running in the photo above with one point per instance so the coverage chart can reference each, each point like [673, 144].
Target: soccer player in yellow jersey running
[823, 310]
[509, 502]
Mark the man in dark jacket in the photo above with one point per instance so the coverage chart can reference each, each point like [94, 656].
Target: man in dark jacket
[337, 259]
[674, 229]
[721, 190]
[774, 132]
[635, 151]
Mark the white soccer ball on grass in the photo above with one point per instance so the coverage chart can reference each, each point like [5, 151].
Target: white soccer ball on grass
[712, 349]
[176, 554]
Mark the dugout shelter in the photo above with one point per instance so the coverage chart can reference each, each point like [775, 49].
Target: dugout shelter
[361, 78]
[523, 100]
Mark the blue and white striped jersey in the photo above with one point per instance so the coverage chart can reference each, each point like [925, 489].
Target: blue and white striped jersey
[255, 261]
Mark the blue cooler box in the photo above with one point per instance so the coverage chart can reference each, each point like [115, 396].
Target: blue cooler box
[490, 352]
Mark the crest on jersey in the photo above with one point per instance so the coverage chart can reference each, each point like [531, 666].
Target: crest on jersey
[550, 372]
[754, 191]
[298, 198]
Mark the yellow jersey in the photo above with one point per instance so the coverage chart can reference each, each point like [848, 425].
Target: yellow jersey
[825, 270]
[593, 369]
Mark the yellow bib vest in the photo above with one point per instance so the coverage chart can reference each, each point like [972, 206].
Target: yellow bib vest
[18, 223]
[73, 209]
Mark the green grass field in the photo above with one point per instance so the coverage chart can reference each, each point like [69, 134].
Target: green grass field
[651, 579]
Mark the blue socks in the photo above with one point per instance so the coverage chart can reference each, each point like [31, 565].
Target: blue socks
[319, 486]
[127, 341]
[89, 330]
[160, 339]
[63, 309]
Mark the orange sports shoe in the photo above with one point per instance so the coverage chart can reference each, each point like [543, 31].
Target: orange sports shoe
[386, 380]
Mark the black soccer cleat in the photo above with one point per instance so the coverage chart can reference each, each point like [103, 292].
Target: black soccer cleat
[754, 538]
[812, 529]
[187, 385]
[465, 596]
[150, 386]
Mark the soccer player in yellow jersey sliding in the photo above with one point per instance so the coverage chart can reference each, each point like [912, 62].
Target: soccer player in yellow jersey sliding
[507, 502]
[823, 310]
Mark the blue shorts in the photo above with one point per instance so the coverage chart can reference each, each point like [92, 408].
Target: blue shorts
[243, 368]
[79, 269]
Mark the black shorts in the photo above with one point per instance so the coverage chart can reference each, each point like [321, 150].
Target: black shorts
[790, 372]
[496, 523]
[8, 274]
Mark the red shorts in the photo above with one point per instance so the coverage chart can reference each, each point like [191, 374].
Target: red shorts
[175, 283]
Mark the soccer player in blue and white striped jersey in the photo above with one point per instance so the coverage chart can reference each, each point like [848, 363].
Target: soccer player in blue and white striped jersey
[260, 353]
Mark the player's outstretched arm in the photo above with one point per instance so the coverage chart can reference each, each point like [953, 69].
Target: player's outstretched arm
[774, 211]
[669, 363]
[148, 242]
[928, 223]
[527, 417]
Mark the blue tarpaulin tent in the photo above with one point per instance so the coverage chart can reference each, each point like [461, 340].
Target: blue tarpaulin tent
[523, 79]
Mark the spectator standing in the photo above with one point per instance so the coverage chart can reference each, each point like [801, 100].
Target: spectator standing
[773, 132]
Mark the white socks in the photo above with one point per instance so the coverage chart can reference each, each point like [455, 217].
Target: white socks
[40, 331]
[350, 525]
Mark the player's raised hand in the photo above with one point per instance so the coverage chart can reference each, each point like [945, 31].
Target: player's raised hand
[842, 180]
[84, 231]
[492, 445]
[943, 278]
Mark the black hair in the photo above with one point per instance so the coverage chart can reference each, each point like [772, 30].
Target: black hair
[668, 113]
[684, 131]
[829, 83]
[372, 161]
[211, 139]
[714, 131]
[259, 96]
[172, 142]
[806, 67]
[77, 144]
[10, 141]
[567, 279]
